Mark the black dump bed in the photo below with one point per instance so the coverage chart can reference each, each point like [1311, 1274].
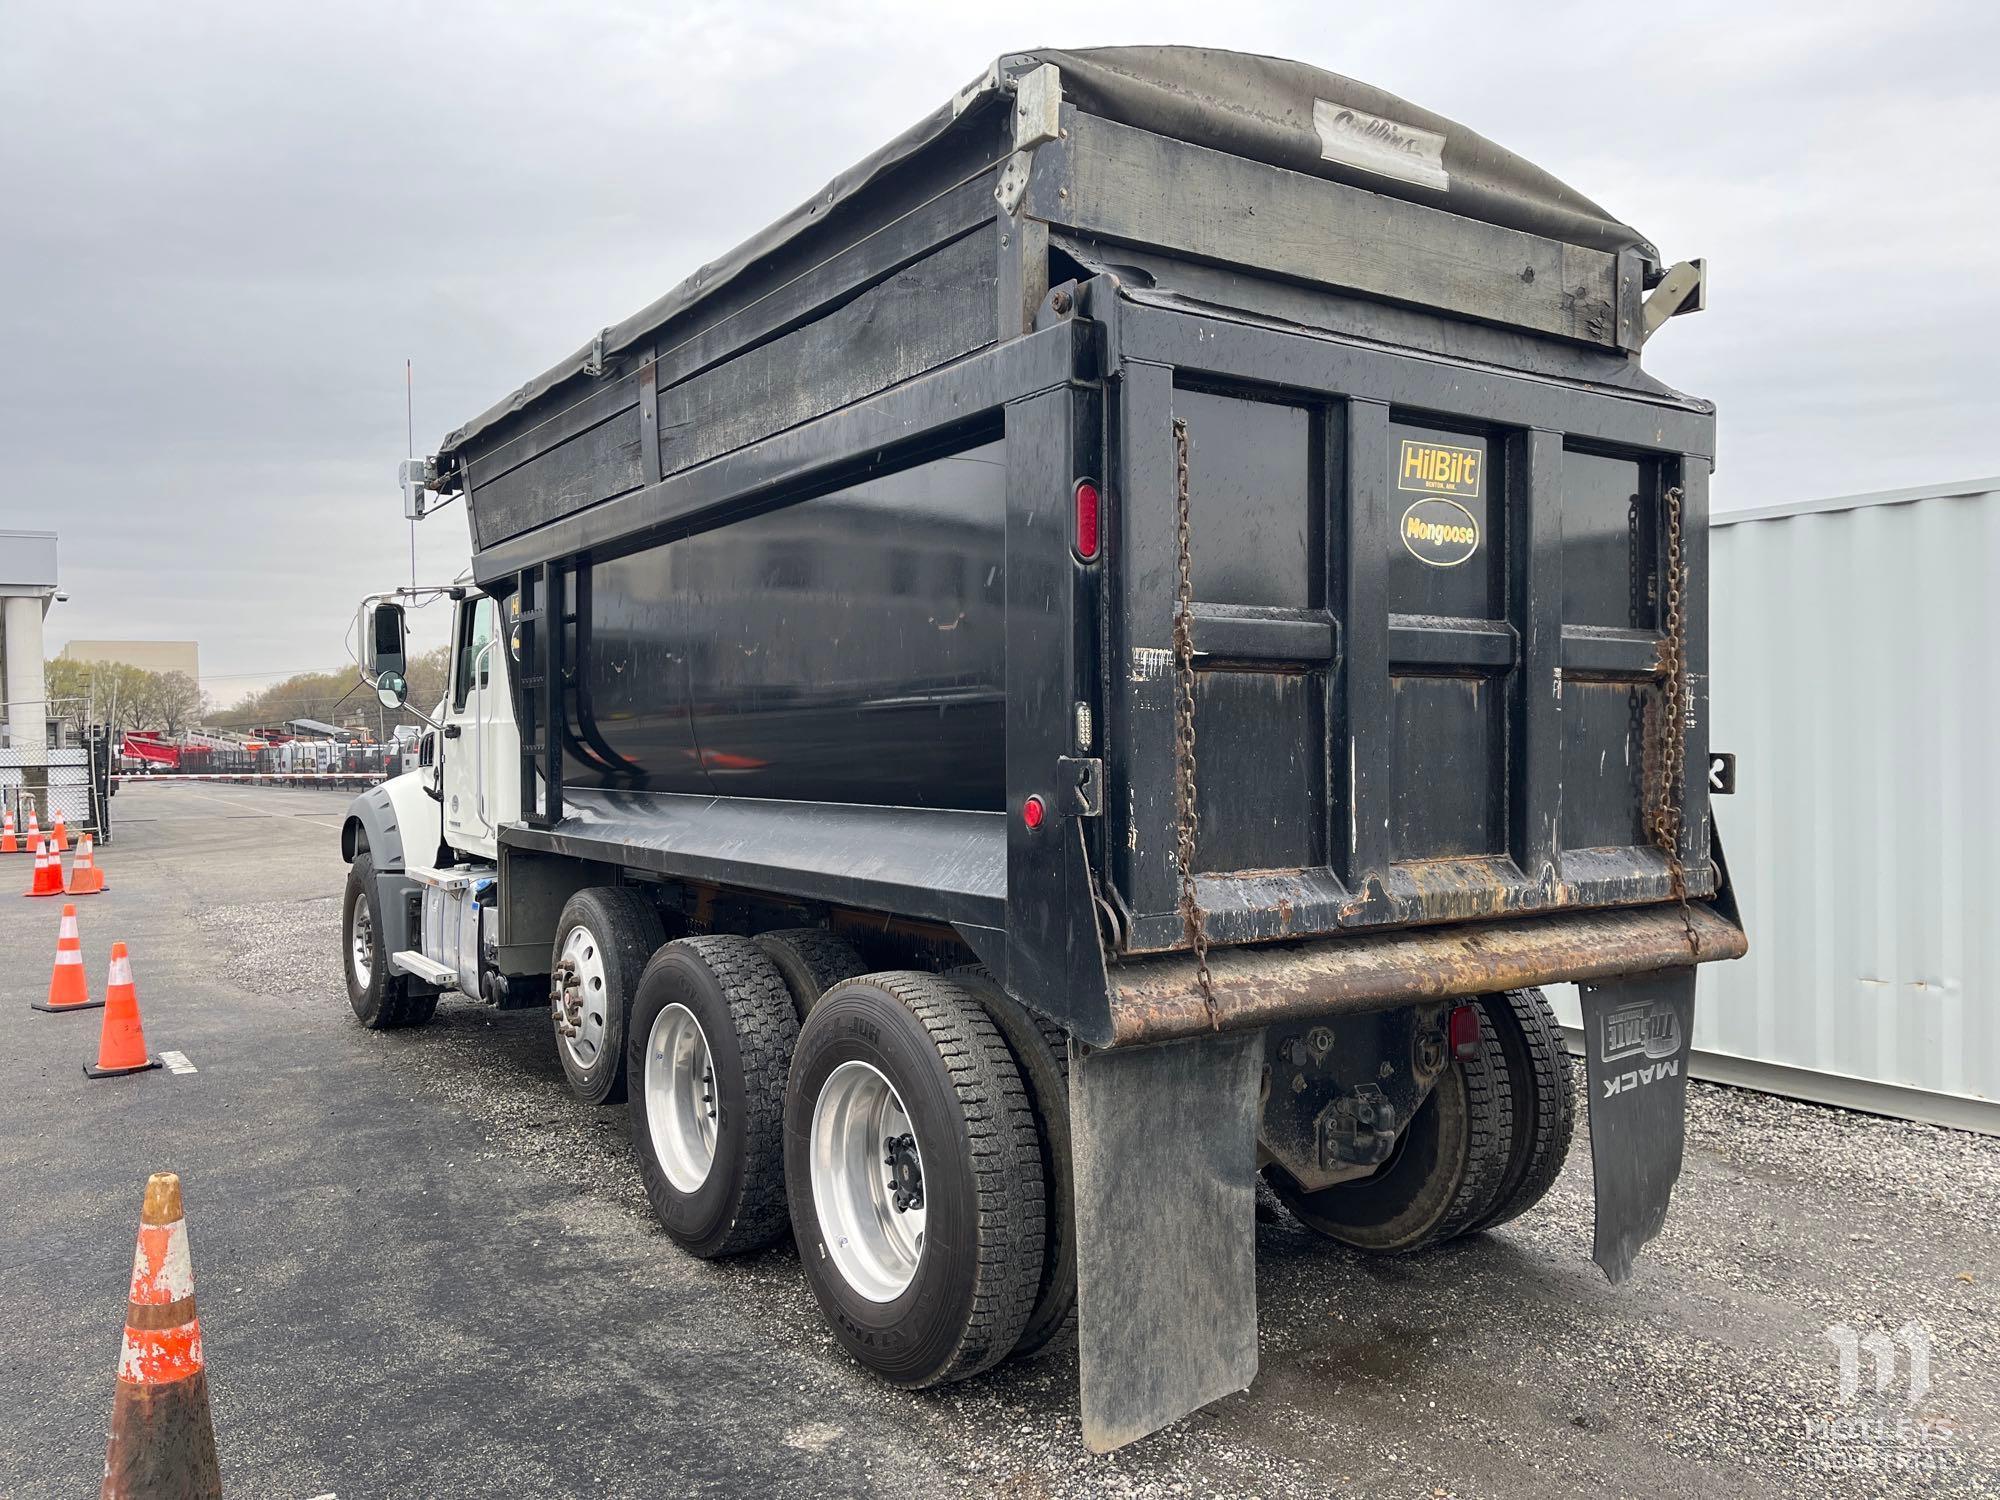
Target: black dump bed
[802, 604]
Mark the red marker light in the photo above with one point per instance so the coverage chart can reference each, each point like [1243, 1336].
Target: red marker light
[1464, 1033]
[1032, 812]
[1087, 513]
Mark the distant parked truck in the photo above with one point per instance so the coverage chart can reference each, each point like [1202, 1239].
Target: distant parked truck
[1105, 655]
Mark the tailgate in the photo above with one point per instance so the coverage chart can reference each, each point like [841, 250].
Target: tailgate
[1429, 606]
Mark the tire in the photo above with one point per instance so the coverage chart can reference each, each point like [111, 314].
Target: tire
[747, 1027]
[382, 1001]
[1445, 1173]
[1544, 1101]
[608, 932]
[1041, 1050]
[812, 960]
[969, 1143]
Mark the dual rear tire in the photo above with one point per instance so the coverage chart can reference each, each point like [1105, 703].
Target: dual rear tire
[891, 1131]
[1484, 1147]
[711, 1034]
[915, 1166]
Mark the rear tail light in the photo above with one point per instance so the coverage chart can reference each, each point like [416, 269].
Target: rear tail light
[1089, 508]
[1033, 812]
[1463, 1033]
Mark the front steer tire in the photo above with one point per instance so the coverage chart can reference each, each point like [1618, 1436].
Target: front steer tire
[976, 1276]
[382, 1001]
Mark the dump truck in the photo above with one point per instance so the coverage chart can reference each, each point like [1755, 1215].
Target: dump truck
[1100, 663]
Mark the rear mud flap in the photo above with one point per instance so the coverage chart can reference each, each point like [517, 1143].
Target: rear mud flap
[1637, 1033]
[1165, 1146]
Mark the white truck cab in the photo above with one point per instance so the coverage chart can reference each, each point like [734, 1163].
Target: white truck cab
[424, 846]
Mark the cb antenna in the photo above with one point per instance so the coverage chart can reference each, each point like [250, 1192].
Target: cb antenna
[410, 448]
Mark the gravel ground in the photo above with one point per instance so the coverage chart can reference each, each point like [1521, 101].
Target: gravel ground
[552, 1320]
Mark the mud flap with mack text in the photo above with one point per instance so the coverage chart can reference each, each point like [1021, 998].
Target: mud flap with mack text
[1637, 1033]
[1166, 1169]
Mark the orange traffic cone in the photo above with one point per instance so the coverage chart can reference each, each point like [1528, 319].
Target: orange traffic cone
[85, 879]
[68, 989]
[34, 834]
[9, 844]
[48, 872]
[121, 1045]
[59, 834]
[162, 1436]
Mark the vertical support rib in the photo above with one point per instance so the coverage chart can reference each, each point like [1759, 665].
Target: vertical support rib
[1693, 481]
[1363, 609]
[1538, 563]
[1139, 664]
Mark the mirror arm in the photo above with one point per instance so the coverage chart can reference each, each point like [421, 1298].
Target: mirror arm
[410, 707]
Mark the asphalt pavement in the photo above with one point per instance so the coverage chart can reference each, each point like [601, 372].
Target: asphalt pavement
[424, 1270]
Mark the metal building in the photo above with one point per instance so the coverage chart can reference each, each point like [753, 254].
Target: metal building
[1856, 675]
[27, 587]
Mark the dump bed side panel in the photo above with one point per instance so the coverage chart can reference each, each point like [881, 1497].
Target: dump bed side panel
[844, 647]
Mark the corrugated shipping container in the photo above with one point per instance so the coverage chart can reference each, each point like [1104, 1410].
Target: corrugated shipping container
[1856, 664]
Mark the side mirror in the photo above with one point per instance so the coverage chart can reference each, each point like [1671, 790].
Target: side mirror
[392, 690]
[385, 654]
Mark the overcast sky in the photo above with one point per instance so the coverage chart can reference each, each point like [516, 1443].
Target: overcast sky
[224, 227]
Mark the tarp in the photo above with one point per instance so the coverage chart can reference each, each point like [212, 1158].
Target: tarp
[1289, 114]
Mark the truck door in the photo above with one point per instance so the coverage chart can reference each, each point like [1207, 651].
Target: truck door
[470, 821]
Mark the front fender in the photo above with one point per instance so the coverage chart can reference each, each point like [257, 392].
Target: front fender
[393, 821]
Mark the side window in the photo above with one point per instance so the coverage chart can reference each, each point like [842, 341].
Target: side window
[475, 630]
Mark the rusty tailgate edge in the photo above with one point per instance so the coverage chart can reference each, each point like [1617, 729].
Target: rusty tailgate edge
[1156, 999]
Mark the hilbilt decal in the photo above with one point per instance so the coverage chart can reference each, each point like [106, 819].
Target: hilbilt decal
[1440, 469]
[1437, 530]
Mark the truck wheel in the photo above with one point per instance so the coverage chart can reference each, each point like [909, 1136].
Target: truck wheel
[1445, 1172]
[915, 1177]
[1544, 1100]
[712, 1035]
[1041, 1050]
[812, 960]
[602, 942]
[382, 1001]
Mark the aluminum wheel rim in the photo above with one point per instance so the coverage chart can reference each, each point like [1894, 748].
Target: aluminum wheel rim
[361, 941]
[858, 1123]
[584, 1041]
[680, 1097]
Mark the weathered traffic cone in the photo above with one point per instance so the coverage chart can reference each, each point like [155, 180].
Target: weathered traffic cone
[34, 834]
[68, 989]
[85, 879]
[48, 872]
[162, 1444]
[121, 1044]
[9, 844]
[59, 834]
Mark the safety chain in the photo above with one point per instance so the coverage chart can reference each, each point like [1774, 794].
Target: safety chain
[1663, 817]
[1188, 818]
